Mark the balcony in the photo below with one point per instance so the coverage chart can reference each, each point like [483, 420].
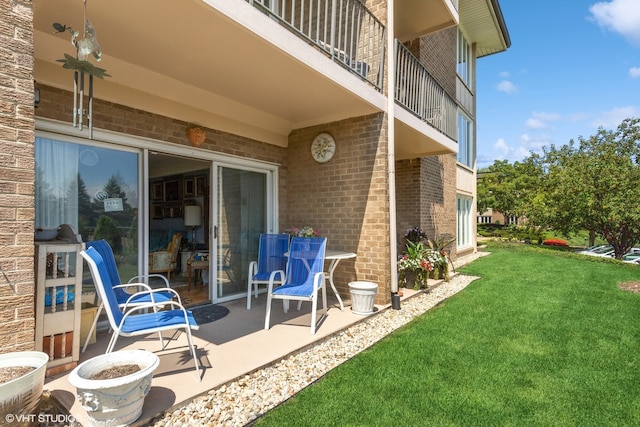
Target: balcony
[224, 64]
[427, 122]
[345, 30]
[418, 92]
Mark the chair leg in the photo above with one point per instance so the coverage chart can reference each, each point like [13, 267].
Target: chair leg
[267, 317]
[112, 342]
[192, 349]
[314, 307]
[249, 293]
[94, 325]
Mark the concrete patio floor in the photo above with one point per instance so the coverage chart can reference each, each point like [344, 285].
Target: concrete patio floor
[227, 349]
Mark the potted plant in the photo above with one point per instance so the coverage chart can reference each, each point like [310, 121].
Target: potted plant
[439, 254]
[112, 387]
[414, 266]
[21, 382]
[305, 231]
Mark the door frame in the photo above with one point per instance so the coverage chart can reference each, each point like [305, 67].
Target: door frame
[271, 220]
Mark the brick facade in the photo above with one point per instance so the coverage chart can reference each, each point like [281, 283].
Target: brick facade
[16, 177]
[347, 198]
[349, 205]
[426, 196]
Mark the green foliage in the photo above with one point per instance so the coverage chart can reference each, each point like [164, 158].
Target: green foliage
[507, 188]
[542, 339]
[593, 186]
[512, 233]
[107, 229]
[590, 185]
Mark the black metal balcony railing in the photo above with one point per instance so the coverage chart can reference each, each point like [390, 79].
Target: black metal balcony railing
[418, 92]
[344, 29]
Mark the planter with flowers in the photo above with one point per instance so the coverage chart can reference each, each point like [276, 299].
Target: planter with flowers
[439, 254]
[305, 231]
[414, 266]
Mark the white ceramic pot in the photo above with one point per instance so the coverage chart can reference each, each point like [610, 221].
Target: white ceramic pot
[21, 396]
[363, 295]
[116, 401]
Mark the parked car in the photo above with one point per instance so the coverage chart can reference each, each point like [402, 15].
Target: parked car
[600, 250]
[632, 257]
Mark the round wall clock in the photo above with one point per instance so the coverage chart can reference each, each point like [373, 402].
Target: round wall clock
[323, 147]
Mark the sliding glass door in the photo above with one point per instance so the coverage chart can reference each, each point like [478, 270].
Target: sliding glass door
[241, 209]
[93, 188]
[138, 200]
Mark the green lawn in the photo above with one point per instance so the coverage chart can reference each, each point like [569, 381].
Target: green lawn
[544, 338]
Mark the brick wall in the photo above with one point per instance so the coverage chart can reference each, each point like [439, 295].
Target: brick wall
[346, 198]
[437, 53]
[426, 196]
[16, 177]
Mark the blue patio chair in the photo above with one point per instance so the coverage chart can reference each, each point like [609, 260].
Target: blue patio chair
[134, 321]
[122, 296]
[303, 279]
[271, 257]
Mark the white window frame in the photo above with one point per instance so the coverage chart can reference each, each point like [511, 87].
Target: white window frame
[466, 145]
[464, 215]
[464, 64]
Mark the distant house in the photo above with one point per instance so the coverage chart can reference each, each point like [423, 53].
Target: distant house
[264, 114]
[493, 217]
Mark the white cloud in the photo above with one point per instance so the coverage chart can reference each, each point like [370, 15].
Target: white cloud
[532, 123]
[620, 16]
[507, 87]
[612, 118]
[634, 72]
[501, 146]
[547, 117]
[535, 143]
[540, 120]
[504, 74]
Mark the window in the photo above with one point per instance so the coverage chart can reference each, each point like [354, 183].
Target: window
[465, 60]
[92, 188]
[464, 221]
[466, 152]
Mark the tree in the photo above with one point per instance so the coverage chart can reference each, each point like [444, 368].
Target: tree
[508, 188]
[594, 186]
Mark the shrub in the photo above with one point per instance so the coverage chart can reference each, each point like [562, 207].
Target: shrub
[555, 242]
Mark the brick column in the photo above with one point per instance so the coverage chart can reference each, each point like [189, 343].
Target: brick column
[16, 176]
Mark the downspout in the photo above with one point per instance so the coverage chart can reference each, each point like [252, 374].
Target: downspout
[391, 160]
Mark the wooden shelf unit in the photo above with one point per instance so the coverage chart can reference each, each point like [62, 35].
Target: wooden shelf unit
[58, 273]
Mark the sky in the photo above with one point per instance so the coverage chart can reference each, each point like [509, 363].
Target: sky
[572, 68]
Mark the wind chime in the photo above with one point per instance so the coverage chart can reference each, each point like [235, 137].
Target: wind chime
[85, 46]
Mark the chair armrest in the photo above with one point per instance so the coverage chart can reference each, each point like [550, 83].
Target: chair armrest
[159, 276]
[272, 278]
[253, 269]
[318, 280]
[151, 292]
[131, 284]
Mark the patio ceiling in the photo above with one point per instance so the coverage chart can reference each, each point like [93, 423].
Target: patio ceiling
[204, 65]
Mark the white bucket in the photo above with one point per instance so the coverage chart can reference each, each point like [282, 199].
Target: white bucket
[363, 295]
